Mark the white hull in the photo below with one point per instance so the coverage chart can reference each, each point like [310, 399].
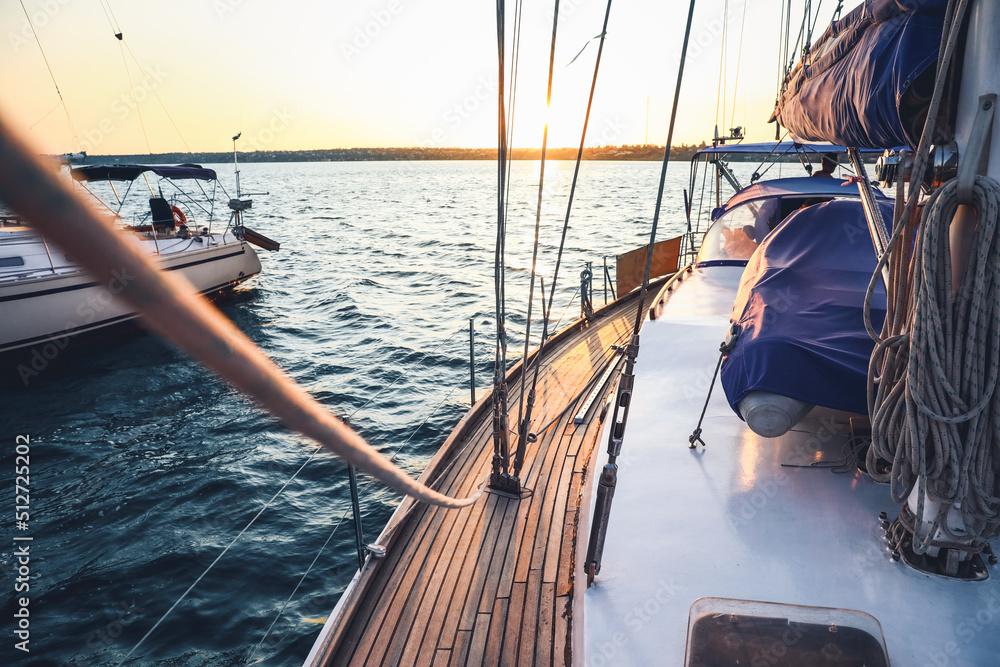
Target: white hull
[50, 305]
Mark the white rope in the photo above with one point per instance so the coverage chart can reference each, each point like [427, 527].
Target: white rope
[936, 412]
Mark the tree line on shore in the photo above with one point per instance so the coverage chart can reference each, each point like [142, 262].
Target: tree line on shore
[625, 152]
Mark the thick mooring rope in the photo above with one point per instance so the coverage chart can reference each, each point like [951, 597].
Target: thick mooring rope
[936, 413]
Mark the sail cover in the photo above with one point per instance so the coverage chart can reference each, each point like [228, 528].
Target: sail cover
[800, 309]
[867, 81]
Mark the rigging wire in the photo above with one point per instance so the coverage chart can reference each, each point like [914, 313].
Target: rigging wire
[135, 98]
[112, 19]
[663, 172]
[336, 527]
[312, 455]
[152, 89]
[619, 419]
[781, 64]
[123, 45]
[788, 34]
[219, 557]
[793, 55]
[757, 176]
[579, 160]
[47, 114]
[812, 29]
[525, 425]
[500, 424]
[739, 59]
[514, 70]
[69, 120]
[606, 353]
[720, 94]
[524, 404]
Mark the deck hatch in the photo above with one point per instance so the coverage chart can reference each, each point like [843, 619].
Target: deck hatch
[724, 632]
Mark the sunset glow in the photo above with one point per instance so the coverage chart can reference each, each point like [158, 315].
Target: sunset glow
[309, 74]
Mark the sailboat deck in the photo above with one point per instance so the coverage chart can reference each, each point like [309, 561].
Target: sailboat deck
[491, 583]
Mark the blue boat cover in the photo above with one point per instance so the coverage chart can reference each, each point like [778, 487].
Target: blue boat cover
[866, 81]
[800, 308]
[801, 186]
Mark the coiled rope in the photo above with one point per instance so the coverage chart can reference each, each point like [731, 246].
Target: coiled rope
[936, 414]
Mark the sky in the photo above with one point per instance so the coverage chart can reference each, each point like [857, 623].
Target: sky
[305, 74]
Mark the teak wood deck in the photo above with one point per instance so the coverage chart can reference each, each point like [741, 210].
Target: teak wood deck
[491, 583]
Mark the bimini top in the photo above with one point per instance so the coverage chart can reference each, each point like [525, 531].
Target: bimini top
[776, 147]
[808, 186]
[130, 172]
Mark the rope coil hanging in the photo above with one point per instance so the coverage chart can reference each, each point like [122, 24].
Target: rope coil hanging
[936, 414]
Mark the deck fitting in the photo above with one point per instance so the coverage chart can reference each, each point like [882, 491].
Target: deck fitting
[506, 483]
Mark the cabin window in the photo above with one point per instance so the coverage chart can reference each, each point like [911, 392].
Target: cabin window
[6, 262]
[736, 234]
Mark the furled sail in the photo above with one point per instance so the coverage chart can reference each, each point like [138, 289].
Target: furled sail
[867, 80]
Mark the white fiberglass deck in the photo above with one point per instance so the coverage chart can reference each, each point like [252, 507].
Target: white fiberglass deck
[736, 519]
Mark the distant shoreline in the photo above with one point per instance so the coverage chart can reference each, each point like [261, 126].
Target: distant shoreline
[637, 152]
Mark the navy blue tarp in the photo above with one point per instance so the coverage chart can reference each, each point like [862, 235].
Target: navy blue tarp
[800, 308]
[130, 172]
[795, 187]
[866, 81]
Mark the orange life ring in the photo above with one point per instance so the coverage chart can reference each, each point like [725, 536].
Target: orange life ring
[179, 217]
